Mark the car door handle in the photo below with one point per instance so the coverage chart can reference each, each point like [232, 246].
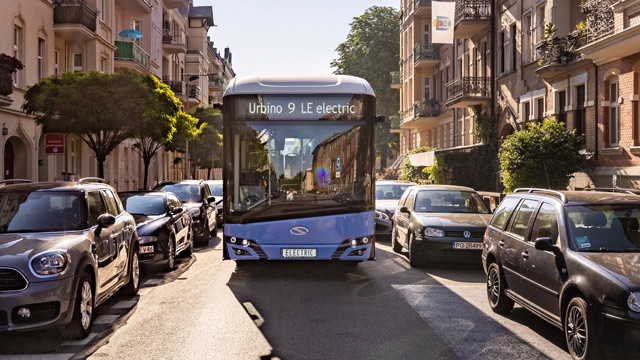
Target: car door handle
[501, 243]
[525, 254]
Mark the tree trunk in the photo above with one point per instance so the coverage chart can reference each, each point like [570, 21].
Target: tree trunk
[101, 160]
[208, 173]
[383, 157]
[147, 161]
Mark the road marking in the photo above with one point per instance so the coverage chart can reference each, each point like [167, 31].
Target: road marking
[461, 315]
[253, 313]
[125, 304]
[84, 341]
[106, 319]
[153, 282]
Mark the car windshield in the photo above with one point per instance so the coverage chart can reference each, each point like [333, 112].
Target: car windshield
[604, 228]
[184, 192]
[216, 189]
[144, 204]
[390, 191]
[449, 201]
[40, 211]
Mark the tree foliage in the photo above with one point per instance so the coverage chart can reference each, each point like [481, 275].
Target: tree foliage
[371, 51]
[414, 173]
[544, 155]
[103, 110]
[206, 151]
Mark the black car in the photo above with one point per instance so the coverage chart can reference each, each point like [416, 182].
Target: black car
[216, 189]
[572, 258]
[195, 195]
[163, 225]
[65, 248]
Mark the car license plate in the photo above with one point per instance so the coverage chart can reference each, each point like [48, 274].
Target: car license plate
[467, 245]
[299, 253]
[146, 249]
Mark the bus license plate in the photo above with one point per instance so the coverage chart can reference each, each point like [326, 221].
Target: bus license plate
[467, 245]
[299, 253]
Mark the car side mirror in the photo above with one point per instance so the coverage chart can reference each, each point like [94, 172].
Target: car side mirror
[545, 244]
[211, 199]
[177, 210]
[405, 210]
[105, 221]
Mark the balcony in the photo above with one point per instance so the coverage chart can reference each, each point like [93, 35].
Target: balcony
[74, 20]
[216, 83]
[194, 92]
[604, 41]
[473, 18]
[131, 55]
[422, 8]
[178, 87]
[426, 55]
[468, 91]
[175, 4]
[174, 41]
[424, 115]
[560, 55]
[137, 7]
[6, 84]
[396, 80]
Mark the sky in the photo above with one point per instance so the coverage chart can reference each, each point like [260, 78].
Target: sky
[284, 37]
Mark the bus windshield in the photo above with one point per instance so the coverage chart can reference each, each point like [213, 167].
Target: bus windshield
[300, 168]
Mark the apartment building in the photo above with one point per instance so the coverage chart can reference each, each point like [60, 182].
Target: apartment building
[51, 37]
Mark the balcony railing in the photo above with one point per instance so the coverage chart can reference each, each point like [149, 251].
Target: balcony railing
[178, 87]
[426, 108]
[468, 86]
[6, 80]
[216, 80]
[561, 50]
[395, 78]
[426, 52]
[75, 12]
[600, 20]
[194, 91]
[130, 51]
[419, 3]
[174, 37]
[473, 10]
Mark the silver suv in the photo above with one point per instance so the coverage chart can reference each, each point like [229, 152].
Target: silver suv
[65, 248]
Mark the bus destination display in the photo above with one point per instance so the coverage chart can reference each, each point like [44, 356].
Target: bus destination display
[337, 107]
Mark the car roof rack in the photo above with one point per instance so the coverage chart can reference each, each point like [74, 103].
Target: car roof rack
[614, 190]
[562, 196]
[14, 181]
[92, 180]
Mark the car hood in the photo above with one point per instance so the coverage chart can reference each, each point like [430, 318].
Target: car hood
[146, 225]
[386, 205]
[192, 205]
[454, 220]
[25, 245]
[623, 266]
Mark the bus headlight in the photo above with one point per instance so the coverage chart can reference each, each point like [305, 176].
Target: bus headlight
[353, 242]
[245, 242]
[634, 302]
[433, 232]
[233, 240]
[50, 263]
[365, 240]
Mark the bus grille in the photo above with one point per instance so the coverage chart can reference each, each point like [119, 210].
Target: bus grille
[11, 280]
[341, 249]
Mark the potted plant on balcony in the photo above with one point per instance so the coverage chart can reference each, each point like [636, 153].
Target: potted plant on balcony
[8, 65]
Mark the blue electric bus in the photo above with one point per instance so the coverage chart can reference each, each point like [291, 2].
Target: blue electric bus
[298, 172]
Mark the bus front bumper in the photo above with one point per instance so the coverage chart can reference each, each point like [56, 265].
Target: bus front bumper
[300, 252]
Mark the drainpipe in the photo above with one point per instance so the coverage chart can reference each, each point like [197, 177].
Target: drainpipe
[596, 122]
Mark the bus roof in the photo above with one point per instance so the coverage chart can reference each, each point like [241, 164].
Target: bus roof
[320, 84]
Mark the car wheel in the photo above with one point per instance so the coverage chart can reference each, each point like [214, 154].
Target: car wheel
[206, 236]
[579, 330]
[171, 254]
[414, 256]
[134, 273]
[395, 245]
[82, 319]
[189, 250]
[498, 300]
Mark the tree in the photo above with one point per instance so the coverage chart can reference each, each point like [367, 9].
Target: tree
[544, 155]
[158, 124]
[207, 146]
[103, 110]
[372, 51]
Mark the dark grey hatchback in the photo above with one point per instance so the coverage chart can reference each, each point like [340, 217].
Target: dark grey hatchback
[65, 248]
[573, 259]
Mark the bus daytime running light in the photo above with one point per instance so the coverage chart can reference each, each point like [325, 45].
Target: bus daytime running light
[353, 242]
[233, 240]
[365, 240]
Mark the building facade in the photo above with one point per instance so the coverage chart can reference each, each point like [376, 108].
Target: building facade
[51, 37]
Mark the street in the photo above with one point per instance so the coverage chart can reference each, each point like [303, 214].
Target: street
[209, 309]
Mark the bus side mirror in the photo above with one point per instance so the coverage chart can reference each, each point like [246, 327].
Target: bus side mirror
[380, 119]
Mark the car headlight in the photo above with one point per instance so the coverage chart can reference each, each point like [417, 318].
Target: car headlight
[148, 239]
[195, 212]
[634, 302]
[50, 263]
[381, 215]
[433, 232]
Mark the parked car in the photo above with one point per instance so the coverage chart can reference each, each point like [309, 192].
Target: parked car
[195, 195]
[439, 223]
[388, 193]
[491, 199]
[573, 259]
[216, 190]
[65, 248]
[164, 225]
